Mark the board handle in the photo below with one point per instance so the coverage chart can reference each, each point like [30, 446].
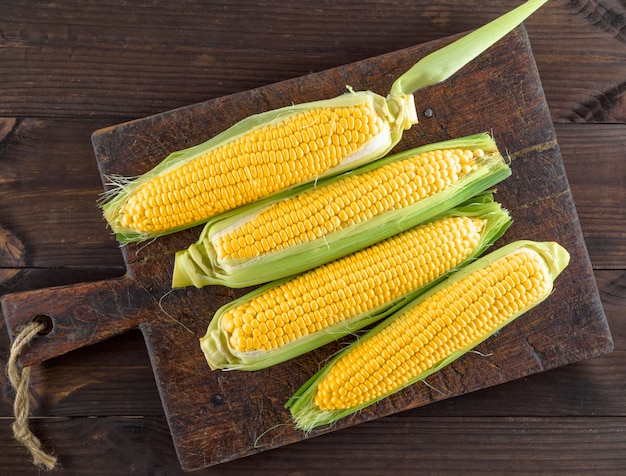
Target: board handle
[75, 315]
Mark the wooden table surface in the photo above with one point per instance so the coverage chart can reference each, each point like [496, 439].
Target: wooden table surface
[70, 68]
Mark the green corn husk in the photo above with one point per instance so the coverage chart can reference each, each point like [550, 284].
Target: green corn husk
[397, 109]
[199, 264]
[398, 113]
[307, 415]
[220, 354]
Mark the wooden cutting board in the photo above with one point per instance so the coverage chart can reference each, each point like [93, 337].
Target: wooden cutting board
[219, 416]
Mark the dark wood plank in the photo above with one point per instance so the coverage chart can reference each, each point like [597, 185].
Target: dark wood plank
[113, 446]
[110, 379]
[115, 376]
[467, 446]
[35, 206]
[581, 60]
[396, 445]
[536, 189]
[91, 58]
[20, 279]
[11, 254]
[106, 376]
[100, 60]
[49, 193]
[594, 161]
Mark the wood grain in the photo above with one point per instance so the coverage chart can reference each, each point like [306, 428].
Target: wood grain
[115, 377]
[69, 68]
[439, 445]
[133, 62]
[598, 184]
[575, 410]
[49, 192]
[600, 207]
[191, 396]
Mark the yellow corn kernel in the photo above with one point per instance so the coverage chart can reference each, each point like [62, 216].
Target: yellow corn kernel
[313, 144]
[301, 228]
[318, 212]
[248, 168]
[431, 332]
[379, 274]
[325, 303]
[422, 348]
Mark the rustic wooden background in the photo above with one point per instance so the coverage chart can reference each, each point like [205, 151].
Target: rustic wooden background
[69, 68]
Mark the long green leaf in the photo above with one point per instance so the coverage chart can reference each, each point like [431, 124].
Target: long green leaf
[443, 63]
[397, 110]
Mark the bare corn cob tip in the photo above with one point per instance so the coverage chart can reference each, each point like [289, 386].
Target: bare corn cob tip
[302, 229]
[438, 328]
[285, 320]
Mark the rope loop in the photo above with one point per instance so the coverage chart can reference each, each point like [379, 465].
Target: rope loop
[20, 380]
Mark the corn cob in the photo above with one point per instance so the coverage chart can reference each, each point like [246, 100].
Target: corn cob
[275, 150]
[287, 318]
[432, 331]
[303, 228]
